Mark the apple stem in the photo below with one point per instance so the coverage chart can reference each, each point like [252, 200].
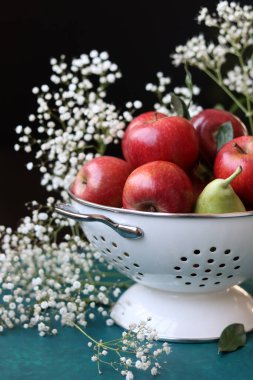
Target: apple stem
[156, 116]
[228, 180]
[239, 148]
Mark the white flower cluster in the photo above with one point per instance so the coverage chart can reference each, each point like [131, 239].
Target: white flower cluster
[49, 274]
[234, 24]
[235, 79]
[163, 95]
[73, 122]
[196, 52]
[137, 348]
[228, 60]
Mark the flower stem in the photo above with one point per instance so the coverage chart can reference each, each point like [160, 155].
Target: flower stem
[227, 91]
[247, 95]
[98, 344]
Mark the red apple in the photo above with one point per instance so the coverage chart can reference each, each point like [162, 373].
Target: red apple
[101, 181]
[158, 186]
[237, 152]
[207, 124]
[153, 136]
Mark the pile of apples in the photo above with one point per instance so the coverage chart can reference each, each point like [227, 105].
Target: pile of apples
[163, 156]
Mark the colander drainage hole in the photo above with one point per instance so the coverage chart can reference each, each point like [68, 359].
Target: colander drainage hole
[178, 276]
[120, 258]
[227, 251]
[193, 274]
[208, 270]
[236, 258]
[218, 274]
[204, 278]
[195, 265]
[114, 244]
[230, 276]
[126, 254]
[102, 238]
[136, 265]
[222, 265]
[212, 249]
[237, 267]
[94, 236]
[108, 250]
[187, 283]
[138, 278]
[140, 274]
[217, 283]
[201, 285]
[183, 259]
[127, 268]
[196, 251]
[177, 268]
[210, 261]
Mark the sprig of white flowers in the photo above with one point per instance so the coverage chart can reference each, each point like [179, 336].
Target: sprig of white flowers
[136, 349]
[233, 24]
[74, 122]
[163, 92]
[49, 273]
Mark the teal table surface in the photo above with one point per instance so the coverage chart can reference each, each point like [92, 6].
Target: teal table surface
[24, 355]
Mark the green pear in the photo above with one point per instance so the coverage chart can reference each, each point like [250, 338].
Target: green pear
[218, 197]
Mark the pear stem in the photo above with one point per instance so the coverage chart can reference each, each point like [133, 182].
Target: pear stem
[228, 180]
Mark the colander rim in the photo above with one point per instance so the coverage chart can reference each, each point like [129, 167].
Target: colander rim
[157, 214]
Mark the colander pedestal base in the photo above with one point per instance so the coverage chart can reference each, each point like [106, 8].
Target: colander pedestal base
[184, 316]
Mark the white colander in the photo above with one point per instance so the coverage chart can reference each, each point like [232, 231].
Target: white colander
[187, 267]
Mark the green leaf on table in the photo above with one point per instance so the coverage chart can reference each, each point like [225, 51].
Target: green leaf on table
[225, 133]
[232, 337]
[179, 106]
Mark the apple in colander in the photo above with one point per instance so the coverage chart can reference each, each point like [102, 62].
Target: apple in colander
[207, 124]
[158, 186]
[237, 152]
[154, 136]
[101, 180]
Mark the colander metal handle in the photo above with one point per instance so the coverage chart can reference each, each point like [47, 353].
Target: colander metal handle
[123, 230]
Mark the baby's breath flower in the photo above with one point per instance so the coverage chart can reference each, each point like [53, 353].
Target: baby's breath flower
[44, 274]
[163, 95]
[74, 120]
[233, 25]
[128, 351]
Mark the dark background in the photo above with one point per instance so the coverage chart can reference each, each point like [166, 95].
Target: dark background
[139, 37]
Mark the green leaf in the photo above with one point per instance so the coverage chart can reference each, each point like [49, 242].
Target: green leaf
[219, 106]
[225, 133]
[179, 106]
[232, 337]
[188, 80]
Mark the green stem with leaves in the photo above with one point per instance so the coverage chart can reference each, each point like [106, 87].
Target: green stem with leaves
[247, 95]
[246, 110]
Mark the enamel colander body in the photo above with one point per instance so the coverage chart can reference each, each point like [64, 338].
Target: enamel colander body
[177, 252]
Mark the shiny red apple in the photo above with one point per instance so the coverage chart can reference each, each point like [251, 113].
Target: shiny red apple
[154, 136]
[237, 152]
[101, 180]
[158, 186]
[207, 124]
